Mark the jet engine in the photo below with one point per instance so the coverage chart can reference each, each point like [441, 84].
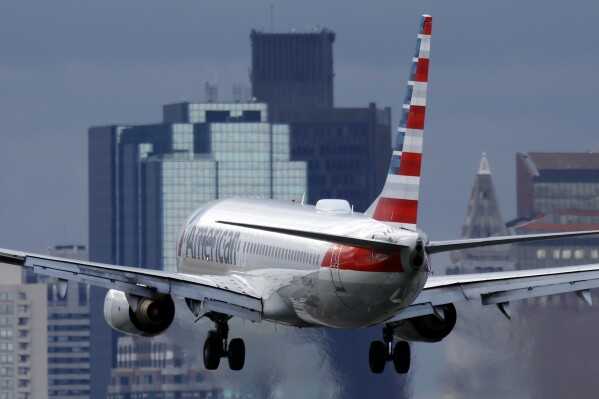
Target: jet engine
[429, 328]
[146, 316]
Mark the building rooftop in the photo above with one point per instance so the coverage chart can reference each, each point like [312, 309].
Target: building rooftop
[571, 161]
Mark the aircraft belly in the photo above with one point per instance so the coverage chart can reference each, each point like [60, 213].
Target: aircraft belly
[368, 298]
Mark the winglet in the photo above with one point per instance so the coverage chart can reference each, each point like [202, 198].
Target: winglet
[398, 203]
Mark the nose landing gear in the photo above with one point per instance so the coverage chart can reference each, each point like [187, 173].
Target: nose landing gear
[217, 347]
[382, 352]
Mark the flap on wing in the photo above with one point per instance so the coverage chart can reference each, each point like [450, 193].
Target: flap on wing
[501, 288]
[226, 294]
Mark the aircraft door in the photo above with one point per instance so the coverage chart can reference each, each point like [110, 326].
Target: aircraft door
[335, 273]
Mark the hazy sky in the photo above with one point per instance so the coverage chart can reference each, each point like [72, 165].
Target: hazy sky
[505, 77]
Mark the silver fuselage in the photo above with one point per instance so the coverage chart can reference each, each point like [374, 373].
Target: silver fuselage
[303, 282]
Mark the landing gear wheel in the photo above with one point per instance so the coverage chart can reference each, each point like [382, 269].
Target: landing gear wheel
[401, 357]
[213, 348]
[236, 354]
[377, 356]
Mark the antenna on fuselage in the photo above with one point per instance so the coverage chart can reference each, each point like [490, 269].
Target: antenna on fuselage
[303, 197]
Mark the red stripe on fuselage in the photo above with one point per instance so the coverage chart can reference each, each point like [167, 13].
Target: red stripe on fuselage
[362, 260]
[396, 210]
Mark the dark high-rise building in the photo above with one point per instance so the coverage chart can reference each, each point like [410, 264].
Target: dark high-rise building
[347, 149]
[293, 70]
[558, 191]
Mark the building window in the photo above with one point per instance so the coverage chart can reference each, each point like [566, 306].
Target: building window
[541, 254]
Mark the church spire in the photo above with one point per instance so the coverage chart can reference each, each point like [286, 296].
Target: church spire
[483, 219]
[484, 168]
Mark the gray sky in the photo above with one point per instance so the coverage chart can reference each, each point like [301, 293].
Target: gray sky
[505, 77]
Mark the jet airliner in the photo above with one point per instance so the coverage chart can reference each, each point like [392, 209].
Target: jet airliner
[317, 266]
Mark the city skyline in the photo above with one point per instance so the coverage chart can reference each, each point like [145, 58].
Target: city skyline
[493, 88]
[534, 88]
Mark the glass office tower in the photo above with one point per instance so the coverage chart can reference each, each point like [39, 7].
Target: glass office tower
[145, 180]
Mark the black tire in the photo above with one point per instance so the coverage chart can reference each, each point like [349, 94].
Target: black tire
[212, 353]
[236, 354]
[401, 357]
[377, 356]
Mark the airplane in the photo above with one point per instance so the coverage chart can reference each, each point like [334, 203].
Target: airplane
[317, 266]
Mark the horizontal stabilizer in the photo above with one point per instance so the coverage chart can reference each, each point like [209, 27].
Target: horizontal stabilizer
[444, 246]
[337, 239]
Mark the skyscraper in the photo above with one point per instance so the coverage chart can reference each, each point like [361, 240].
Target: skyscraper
[23, 337]
[347, 149]
[559, 191]
[159, 174]
[146, 180]
[68, 332]
[293, 70]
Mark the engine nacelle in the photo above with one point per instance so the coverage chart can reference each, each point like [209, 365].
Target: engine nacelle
[150, 318]
[429, 328]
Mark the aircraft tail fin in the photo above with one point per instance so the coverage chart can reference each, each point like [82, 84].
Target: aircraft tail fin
[398, 203]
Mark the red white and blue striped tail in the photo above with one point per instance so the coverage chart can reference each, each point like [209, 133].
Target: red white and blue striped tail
[398, 203]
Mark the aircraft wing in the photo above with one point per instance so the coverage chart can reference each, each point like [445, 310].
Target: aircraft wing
[225, 294]
[501, 288]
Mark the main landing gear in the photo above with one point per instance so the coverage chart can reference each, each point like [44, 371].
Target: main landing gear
[217, 347]
[383, 352]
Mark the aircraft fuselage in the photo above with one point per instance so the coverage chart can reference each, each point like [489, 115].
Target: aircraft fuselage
[309, 282]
